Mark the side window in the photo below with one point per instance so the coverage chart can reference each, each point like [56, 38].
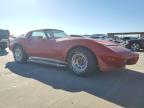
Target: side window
[37, 34]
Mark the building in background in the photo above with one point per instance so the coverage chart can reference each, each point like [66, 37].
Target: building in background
[126, 34]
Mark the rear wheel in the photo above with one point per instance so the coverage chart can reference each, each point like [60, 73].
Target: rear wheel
[19, 54]
[82, 62]
[135, 47]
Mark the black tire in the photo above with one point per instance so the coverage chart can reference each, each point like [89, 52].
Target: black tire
[135, 47]
[23, 58]
[91, 61]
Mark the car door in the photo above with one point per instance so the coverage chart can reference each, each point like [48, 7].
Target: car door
[39, 44]
[58, 44]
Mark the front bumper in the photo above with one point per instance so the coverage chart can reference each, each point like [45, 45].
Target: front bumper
[113, 63]
[132, 60]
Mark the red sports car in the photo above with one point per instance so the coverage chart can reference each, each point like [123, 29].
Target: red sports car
[83, 55]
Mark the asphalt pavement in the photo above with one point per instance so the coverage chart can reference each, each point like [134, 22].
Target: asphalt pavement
[35, 85]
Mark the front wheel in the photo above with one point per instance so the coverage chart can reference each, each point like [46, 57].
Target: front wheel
[19, 54]
[82, 62]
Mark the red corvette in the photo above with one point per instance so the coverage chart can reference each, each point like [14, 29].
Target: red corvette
[83, 55]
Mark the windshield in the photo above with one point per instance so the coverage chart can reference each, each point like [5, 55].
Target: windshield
[59, 34]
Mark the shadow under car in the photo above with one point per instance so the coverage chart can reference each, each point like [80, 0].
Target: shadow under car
[124, 87]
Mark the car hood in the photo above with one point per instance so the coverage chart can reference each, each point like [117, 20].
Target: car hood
[117, 49]
[102, 42]
[122, 51]
[105, 42]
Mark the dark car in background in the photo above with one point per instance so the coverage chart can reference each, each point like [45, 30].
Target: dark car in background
[4, 37]
[135, 44]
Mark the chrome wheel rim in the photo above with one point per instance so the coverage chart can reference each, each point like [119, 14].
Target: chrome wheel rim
[135, 47]
[79, 62]
[18, 54]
